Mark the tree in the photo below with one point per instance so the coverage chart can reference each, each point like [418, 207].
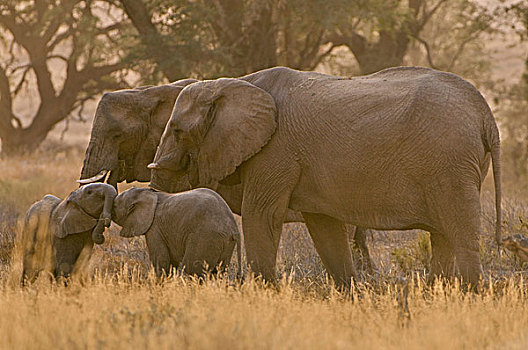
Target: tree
[512, 101]
[227, 37]
[236, 37]
[64, 50]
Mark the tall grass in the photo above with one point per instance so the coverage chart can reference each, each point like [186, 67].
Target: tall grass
[181, 313]
[124, 306]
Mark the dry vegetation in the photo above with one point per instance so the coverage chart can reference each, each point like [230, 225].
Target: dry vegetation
[123, 305]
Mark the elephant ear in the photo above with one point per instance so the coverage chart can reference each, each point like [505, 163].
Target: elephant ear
[140, 214]
[159, 100]
[70, 219]
[240, 121]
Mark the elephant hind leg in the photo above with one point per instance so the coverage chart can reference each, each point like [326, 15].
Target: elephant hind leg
[362, 256]
[443, 256]
[458, 223]
[331, 242]
[227, 253]
[204, 253]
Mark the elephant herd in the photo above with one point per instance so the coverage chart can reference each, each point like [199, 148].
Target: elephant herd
[404, 148]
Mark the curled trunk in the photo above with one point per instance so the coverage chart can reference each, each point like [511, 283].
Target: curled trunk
[106, 216]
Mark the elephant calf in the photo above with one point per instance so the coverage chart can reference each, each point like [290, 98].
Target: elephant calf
[194, 228]
[58, 235]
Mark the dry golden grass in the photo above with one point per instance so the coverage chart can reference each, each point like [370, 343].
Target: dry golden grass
[183, 314]
[128, 309]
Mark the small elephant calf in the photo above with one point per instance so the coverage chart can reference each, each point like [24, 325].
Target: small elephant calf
[194, 228]
[58, 235]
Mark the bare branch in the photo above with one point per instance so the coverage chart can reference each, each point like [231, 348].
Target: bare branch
[22, 80]
[17, 121]
[6, 102]
[322, 56]
[461, 47]
[60, 57]
[427, 50]
[66, 127]
[427, 15]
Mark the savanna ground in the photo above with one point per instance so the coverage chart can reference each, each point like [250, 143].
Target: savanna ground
[124, 306]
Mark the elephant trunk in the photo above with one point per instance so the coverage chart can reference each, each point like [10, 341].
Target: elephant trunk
[106, 216]
[101, 157]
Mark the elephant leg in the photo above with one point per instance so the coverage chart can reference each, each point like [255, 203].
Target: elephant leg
[364, 261]
[331, 242]
[227, 253]
[262, 231]
[264, 206]
[159, 254]
[202, 254]
[443, 256]
[458, 221]
[467, 256]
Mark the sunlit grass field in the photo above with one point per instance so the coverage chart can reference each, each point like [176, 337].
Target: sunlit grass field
[124, 306]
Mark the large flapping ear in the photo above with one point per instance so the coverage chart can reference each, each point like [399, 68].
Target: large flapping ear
[70, 219]
[240, 121]
[140, 214]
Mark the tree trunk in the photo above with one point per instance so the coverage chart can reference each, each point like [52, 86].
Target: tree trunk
[20, 141]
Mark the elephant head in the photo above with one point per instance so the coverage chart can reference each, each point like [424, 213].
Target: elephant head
[134, 211]
[215, 126]
[127, 127]
[87, 208]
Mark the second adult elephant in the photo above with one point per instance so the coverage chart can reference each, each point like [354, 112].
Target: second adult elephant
[126, 131]
[399, 149]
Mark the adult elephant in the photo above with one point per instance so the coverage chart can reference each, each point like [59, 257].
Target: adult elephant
[126, 131]
[404, 148]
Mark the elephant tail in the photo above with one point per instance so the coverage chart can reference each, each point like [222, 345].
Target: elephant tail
[496, 159]
[492, 143]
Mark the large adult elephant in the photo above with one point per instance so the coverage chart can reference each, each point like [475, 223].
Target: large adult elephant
[400, 149]
[126, 131]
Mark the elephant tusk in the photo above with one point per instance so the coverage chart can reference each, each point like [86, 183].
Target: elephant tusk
[153, 166]
[95, 178]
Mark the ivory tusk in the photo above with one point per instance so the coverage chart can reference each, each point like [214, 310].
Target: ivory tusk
[95, 178]
[153, 166]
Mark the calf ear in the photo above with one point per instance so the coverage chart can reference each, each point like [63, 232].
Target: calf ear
[69, 220]
[140, 215]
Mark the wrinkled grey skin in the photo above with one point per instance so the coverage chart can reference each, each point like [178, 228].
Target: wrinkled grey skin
[126, 131]
[127, 128]
[404, 148]
[189, 228]
[56, 232]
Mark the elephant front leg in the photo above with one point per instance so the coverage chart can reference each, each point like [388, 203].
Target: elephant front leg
[262, 236]
[264, 206]
[331, 242]
[159, 254]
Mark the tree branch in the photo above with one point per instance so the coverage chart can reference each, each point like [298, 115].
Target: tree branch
[427, 50]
